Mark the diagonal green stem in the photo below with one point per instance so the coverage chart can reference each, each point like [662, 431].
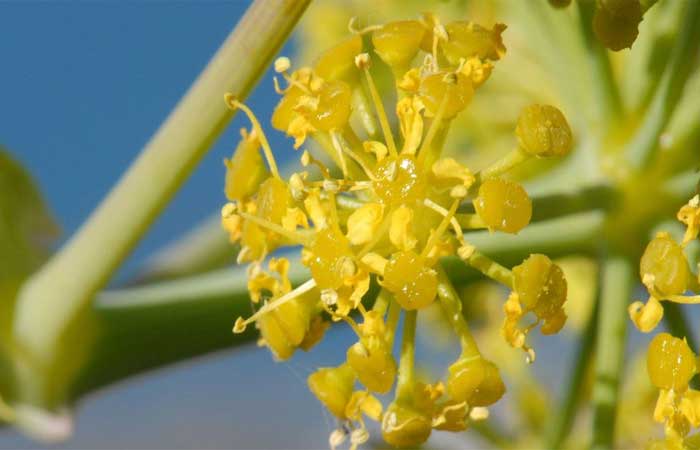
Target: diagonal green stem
[616, 289]
[52, 298]
[640, 150]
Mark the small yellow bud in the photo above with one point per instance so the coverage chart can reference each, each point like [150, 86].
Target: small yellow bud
[543, 131]
[670, 362]
[333, 387]
[646, 316]
[404, 426]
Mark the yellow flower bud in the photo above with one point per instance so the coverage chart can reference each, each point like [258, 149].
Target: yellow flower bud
[543, 131]
[246, 169]
[413, 284]
[646, 316]
[372, 361]
[397, 43]
[333, 387]
[663, 267]
[503, 205]
[468, 39]
[616, 22]
[404, 426]
[670, 362]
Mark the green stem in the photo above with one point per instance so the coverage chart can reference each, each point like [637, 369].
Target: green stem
[606, 88]
[641, 149]
[616, 289]
[490, 268]
[146, 327]
[404, 384]
[452, 306]
[54, 296]
[559, 237]
[563, 417]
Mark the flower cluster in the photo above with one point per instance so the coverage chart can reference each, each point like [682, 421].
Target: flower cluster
[386, 210]
[671, 364]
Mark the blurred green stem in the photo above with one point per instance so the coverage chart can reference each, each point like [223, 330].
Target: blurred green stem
[606, 87]
[53, 297]
[641, 148]
[615, 291]
[563, 416]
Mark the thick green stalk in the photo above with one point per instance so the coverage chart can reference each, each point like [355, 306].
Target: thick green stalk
[53, 297]
[563, 416]
[616, 290]
[641, 149]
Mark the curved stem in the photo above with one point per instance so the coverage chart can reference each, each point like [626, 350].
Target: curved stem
[641, 149]
[616, 290]
[53, 297]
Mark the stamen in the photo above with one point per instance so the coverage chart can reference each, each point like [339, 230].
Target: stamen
[444, 212]
[292, 82]
[294, 236]
[434, 125]
[240, 325]
[234, 104]
[352, 27]
[340, 142]
[512, 159]
[307, 159]
[362, 62]
[440, 229]
[339, 149]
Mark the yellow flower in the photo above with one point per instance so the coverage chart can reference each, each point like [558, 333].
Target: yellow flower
[388, 213]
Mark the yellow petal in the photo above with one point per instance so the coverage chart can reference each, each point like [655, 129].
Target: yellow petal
[408, 110]
[665, 405]
[298, 128]
[690, 407]
[477, 70]
[313, 206]
[401, 229]
[372, 407]
[293, 218]
[448, 169]
[377, 148]
[646, 317]
[410, 81]
[363, 223]
[375, 262]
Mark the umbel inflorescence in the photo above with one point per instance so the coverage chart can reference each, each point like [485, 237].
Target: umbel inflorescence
[385, 209]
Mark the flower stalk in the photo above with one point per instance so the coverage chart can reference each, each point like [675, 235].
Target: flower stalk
[54, 297]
